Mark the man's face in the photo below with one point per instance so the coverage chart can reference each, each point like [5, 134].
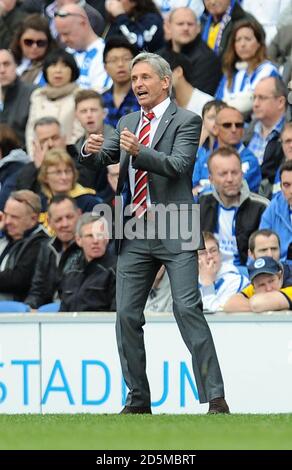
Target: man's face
[63, 218]
[183, 26]
[266, 246]
[217, 7]
[71, 31]
[267, 283]
[93, 240]
[286, 186]
[117, 64]
[229, 127]
[148, 87]
[7, 68]
[226, 175]
[49, 136]
[18, 217]
[286, 138]
[91, 114]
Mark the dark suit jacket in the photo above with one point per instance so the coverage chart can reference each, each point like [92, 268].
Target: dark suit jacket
[169, 162]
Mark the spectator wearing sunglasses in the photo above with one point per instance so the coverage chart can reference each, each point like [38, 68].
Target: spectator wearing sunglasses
[228, 130]
[30, 45]
[244, 65]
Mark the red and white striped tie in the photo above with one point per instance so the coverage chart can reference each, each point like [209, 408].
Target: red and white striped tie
[141, 178]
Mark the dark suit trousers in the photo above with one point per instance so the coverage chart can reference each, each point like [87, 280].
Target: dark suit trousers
[138, 263]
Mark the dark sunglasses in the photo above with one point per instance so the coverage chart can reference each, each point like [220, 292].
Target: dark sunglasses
[228, 125]
[38, 42]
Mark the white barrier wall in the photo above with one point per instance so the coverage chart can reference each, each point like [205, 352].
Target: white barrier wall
[69, 364]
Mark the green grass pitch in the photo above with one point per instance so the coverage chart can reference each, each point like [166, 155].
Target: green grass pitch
[165, 432]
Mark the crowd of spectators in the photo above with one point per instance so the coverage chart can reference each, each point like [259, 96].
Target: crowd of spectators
[64, 74]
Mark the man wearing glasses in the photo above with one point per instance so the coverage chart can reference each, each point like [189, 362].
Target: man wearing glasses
[87, 48]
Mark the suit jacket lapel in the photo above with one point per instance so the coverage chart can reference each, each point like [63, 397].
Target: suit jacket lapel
[164, 122]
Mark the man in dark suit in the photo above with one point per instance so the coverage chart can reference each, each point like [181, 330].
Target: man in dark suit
[166, 154]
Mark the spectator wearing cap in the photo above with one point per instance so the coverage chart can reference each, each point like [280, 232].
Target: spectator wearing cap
[266, 291]
[265, 242]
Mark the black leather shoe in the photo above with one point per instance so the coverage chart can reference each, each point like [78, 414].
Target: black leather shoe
[136, 410]
[217, 406]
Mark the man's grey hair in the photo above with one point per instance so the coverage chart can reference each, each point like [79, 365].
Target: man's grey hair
[159, 65]
[88, 218]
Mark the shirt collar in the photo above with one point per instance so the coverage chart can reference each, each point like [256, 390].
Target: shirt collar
[160, 108]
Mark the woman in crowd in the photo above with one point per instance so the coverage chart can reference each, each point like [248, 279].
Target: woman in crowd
[244, 65]
[30, 45]
[12, 159]
[58, 175]
[57, 98]
[138, 20]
